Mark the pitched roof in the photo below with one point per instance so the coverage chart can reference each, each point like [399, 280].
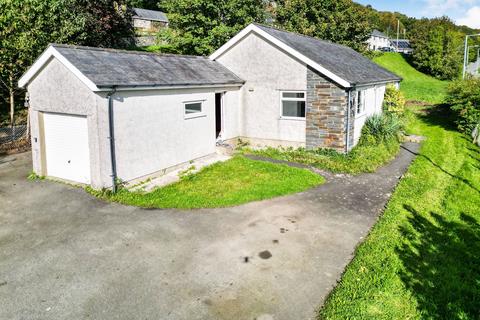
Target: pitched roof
[340, 60]
[341, 64]
[105, 68]
[149, 15]
[376, 33]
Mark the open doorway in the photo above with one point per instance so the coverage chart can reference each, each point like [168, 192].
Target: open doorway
[218, 113]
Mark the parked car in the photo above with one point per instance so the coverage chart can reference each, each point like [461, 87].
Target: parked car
[386, 49]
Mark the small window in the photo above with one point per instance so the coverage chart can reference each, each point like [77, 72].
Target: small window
[360, 102]
[293, 104]
[193, 109]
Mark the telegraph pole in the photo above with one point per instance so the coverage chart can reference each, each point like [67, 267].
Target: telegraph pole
[398, 31]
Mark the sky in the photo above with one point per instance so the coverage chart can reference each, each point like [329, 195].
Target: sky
[463, 12]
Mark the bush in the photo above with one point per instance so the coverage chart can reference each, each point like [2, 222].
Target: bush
[381, 128]
[394, 101]
[464, 100]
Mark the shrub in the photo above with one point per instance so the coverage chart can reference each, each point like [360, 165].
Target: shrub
[380, 128]
[464, 100]
[394, 101]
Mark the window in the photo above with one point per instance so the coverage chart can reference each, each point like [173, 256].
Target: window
[293, 104]
[359, 102]
[193, 109]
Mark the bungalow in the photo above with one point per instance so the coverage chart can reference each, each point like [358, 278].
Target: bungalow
[98, 115]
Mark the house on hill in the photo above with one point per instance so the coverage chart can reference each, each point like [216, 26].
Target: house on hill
[148, 20]
[98, 115]
[378, 41]
[147, 23]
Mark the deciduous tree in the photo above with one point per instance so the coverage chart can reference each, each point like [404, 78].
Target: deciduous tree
[202, 26]
[28, 26]
[340, 21]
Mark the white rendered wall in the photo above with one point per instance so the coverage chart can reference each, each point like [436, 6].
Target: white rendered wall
[267, 71]
[373, 105]
[152, 133]
[56, 89]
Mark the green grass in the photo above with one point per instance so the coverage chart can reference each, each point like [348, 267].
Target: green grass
[422, 259]
[363, 158]
[236, 181]
[415, 85]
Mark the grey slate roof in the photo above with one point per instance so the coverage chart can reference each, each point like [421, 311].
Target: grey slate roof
[149, 15]
[110, 67]
[342, 61]
[376, 33]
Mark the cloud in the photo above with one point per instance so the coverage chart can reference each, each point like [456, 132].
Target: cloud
[442, 7]
[471, 19]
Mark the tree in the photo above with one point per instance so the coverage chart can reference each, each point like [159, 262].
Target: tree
[202, 26]
[437, 47]
[144, 4]
[340, 21]
[28, 26]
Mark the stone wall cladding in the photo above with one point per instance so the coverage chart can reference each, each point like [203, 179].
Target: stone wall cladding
[326, 115]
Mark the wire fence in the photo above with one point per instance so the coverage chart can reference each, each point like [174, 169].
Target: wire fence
[14, 139]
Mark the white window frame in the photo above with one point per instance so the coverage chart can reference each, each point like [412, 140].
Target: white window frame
[360, 103]
[196, 114]
[292, 99]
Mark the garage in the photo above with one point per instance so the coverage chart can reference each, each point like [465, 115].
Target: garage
[103, 116]
[66, 149]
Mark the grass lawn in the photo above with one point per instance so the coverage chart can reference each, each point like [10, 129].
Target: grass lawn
[363, 158]
[236, 181]
[415, 85]
[422, 259]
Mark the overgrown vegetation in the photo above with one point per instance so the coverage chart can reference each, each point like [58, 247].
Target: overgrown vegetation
[437, 47]
[201, 26]
[422, 259]
[380, 128]
[236, 181]
[464, 100]
[394, 100]
[340, 21]
[367, 156]
[415, 85]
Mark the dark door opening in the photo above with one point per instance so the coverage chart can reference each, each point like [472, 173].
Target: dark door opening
[218, 114]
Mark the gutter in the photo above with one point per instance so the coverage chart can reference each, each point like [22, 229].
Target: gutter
[112, 138]
[165, 87]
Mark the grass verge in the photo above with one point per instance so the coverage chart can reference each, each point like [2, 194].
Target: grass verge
[363, 158]
[422, 259]
[236, 181]
[415, 85]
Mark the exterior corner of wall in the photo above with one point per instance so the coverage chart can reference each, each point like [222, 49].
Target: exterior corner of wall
[326, 113]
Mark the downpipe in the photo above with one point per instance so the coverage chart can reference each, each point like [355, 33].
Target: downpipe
[112, 139]
[347, 131]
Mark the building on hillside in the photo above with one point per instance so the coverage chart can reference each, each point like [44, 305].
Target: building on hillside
[378, 41]
[102, 115]
[147, 23]
[403, 46]
[148, 20]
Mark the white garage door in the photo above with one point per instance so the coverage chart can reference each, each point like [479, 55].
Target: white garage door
[66, 147]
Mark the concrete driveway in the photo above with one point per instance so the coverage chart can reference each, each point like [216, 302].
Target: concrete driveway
[67, 255]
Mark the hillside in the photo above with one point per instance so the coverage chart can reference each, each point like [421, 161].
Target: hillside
[415, 85]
